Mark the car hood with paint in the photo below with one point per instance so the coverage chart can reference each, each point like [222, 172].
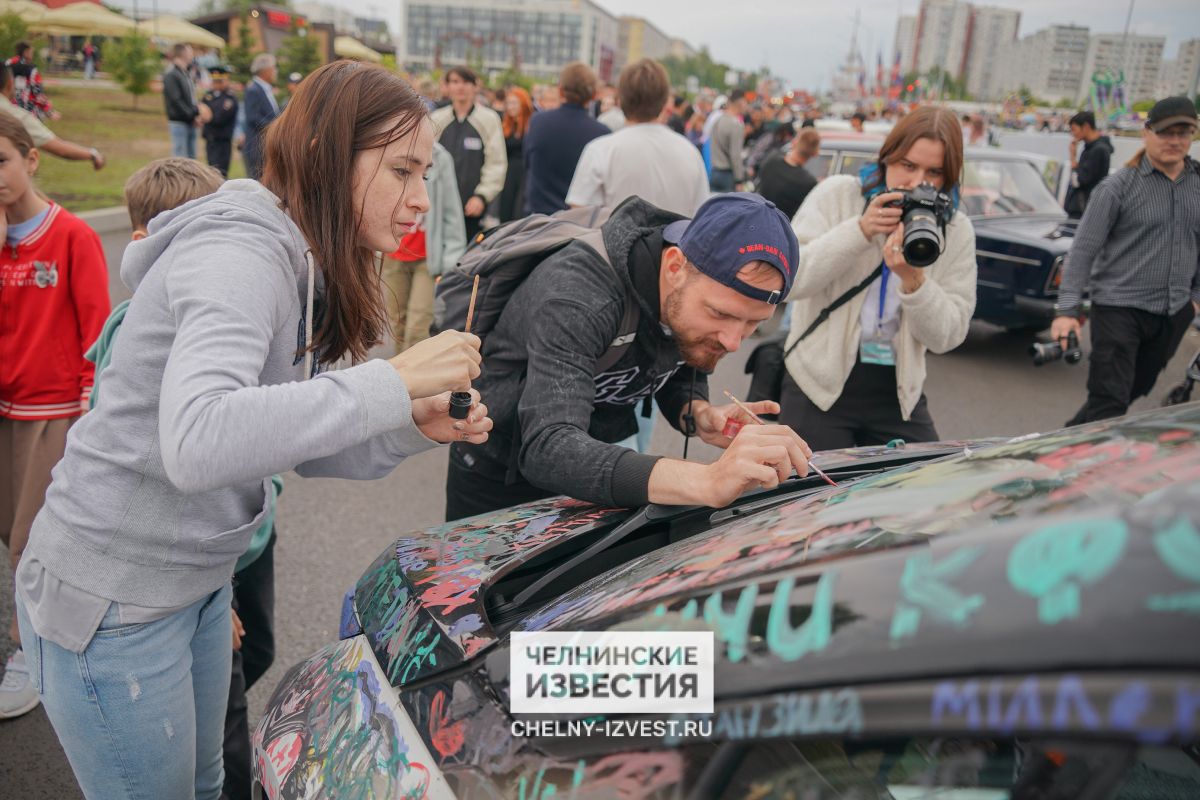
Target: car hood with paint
[1019, 578]
[959, 517]
[422, 602]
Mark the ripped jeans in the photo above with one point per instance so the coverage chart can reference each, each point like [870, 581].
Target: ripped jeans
[141, 712]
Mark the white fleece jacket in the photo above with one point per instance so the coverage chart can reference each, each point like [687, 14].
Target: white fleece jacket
[834, 257]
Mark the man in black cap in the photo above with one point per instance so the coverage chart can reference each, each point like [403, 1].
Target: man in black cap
[700, 287]
[1136, 251]
[219, 110]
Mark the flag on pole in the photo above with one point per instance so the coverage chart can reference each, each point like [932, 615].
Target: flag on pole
[897, 79]
[879, 73]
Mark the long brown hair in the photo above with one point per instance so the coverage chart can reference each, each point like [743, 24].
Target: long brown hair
[927, 122]
[519, 124]
[342, 109]
[12, 129]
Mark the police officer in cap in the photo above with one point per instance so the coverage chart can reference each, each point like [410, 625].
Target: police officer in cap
[220, 118]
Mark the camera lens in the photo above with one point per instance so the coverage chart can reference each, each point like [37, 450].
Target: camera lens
[922, 240]
[1045, 352]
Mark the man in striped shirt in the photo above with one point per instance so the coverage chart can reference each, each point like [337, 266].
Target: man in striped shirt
[1136, 249]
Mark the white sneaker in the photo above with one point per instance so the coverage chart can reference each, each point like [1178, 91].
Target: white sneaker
[17, 695]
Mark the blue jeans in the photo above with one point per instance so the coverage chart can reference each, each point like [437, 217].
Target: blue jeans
[183, 139]
[721, 180]
[141, 712]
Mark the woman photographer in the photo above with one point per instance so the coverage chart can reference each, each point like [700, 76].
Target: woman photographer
[220, 378]
[857, 378]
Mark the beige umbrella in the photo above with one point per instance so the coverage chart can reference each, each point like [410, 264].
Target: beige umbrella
[176, 30]
[348, 47]
[27, 10]
[81, 19]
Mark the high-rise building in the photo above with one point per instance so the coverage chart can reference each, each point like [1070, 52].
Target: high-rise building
[991, 36]
[682, 50]
[372, 32]
[1137, 58]
[906, 43]
[943, 30]
[540, 37]
[1185, 78]
[641, 39]
[1049, 63]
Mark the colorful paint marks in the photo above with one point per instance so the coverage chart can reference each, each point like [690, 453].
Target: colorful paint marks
[1054, 563]
[1063, 473]
[334, 728]
[829, 712]
[926, 588]
[1065, 703]
[419, 601]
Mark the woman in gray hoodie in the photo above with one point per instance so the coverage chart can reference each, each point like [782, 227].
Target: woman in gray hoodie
[242, 300]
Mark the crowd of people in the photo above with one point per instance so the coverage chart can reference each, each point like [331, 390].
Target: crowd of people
[141, 532]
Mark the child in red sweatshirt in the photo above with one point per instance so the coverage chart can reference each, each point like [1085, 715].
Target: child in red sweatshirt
[53, 303]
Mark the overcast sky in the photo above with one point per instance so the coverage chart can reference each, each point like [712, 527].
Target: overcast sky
[805, 40]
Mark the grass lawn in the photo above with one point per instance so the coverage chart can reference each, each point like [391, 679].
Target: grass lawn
[104, 118]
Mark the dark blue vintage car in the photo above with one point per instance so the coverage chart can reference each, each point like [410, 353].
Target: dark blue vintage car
[1021, 232]
[987, 621]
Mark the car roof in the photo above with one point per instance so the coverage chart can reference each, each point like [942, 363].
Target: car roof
[1074, 550]
[423, 601]
[869, 143]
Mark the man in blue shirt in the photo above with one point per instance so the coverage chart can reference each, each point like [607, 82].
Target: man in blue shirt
[556, 138]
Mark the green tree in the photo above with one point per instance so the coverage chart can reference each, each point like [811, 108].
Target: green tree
[133, 61]
[708, 72]
[510, 78]
[297, 53]
[239, 56]
[12, 30]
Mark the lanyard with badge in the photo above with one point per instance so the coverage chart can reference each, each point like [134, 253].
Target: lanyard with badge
[878, 348]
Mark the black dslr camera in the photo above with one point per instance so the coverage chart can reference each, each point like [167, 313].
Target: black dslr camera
[1045, 352]
[925, 213]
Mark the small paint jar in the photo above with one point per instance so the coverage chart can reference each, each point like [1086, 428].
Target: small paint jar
[460, 405]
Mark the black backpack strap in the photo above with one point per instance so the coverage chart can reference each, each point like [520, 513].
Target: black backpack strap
[846, 297]
[626, 334]
[627, 331]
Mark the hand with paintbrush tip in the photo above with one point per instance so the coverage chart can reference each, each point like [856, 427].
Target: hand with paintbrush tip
[438, 374]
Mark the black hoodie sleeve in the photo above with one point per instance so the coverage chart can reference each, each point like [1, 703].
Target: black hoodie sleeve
[555, 408]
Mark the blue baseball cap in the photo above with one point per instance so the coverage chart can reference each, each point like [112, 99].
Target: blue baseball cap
[731, 230]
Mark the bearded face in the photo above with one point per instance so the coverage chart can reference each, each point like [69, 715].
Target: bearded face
[699, 348]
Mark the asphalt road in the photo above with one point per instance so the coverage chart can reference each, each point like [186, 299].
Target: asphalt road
[330, 530]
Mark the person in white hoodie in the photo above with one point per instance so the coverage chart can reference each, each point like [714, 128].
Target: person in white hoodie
[221, 377]
[857, 377]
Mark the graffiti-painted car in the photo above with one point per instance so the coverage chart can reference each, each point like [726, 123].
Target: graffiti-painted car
[993, 620]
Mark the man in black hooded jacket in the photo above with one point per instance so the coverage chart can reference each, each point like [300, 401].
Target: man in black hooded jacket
[1089, 167]
[702, 286]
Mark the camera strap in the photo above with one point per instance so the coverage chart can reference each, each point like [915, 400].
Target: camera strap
[846, 297]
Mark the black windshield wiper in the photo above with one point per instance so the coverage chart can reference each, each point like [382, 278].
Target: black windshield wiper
[644, 516]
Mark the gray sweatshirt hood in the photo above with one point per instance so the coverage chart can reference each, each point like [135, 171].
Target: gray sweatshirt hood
[236, 201]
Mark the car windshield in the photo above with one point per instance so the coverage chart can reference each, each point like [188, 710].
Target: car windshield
[996, 188]
[961, 769]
